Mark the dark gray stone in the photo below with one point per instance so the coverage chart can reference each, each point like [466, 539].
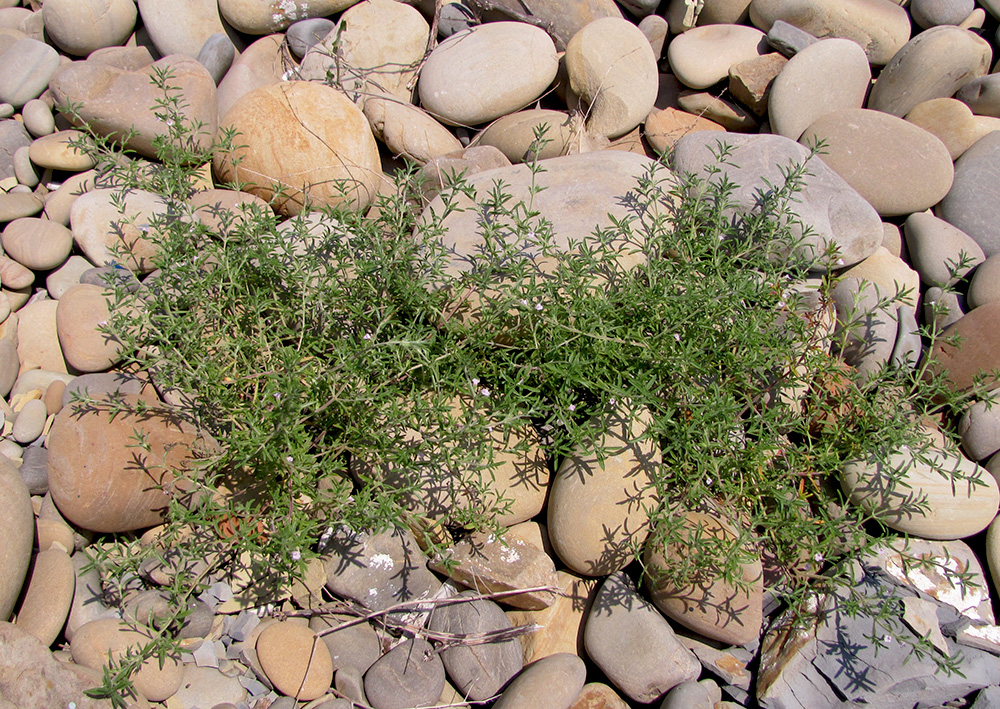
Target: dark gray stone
[409, 675]
[477, 671]
[789, 39]
[355, 646]
[35, 469]
[633, 644]
[217, 55]
[304, 34]
[350, 683]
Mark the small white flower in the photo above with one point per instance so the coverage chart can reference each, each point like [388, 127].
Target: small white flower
[781, 304]
[277, 396]
[572, 407]
[840, 262]
[708, 481]
[368, 336]
[539, 306]
[818, 558]
[296, 555]
[484, 391]
[887, 639]
[290, 459]
[524, 302]
[531, 234]
[612, 401]
[677, 336]
[475, 381]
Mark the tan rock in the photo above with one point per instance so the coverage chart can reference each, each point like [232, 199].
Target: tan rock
[17, 530]
[560, 626]
[476, 76]
[37, 243]
[727, 114]
[305, 139]
[46, 603]
[97, 641]
[80, 27]
[898, 167]
[612, 69]
[254, 17]
[750, 81]
[98, 478]
[924, 498]
[37, 337]
[117, 102]
[408, 131]
[880, 26]
[376, 49]
[597, 506]
[934, 64]
[83, 312]
[110, 229]
[295, 660]
[707, 604]
[59, 151]
[261, 64]
[703, 56]
[948, 119]
[515, 134]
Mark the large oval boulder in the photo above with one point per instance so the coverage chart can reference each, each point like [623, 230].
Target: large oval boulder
[118, 102]
[826, 76]
[301, 143]
[834, 213]
[612, 70]
[934, 64]
[898, 167]
[934, 494]
[484, 73]
[882, 27]
[599, 505]
[101, 481]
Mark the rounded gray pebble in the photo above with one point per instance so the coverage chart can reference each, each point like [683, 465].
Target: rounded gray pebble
[979, 428]
[304, 34]
[35, 469]
[409, 675]
[217, 55]
[349, 682]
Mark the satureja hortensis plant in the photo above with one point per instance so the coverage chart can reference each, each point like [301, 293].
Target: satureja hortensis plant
[321, 351]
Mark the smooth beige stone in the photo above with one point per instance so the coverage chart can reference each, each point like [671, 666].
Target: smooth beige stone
[597, 506]
[50, 593]
[560, 626]
[704, 55]
[17, 529]
[948, 119]
[829, 75]
[295, 660]
[58, 151]
[408, 131]
[927, 502]
[708, 605]
[95, 642]
[934, 64]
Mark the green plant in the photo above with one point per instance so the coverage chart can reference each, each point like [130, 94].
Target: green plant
[327, 350]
